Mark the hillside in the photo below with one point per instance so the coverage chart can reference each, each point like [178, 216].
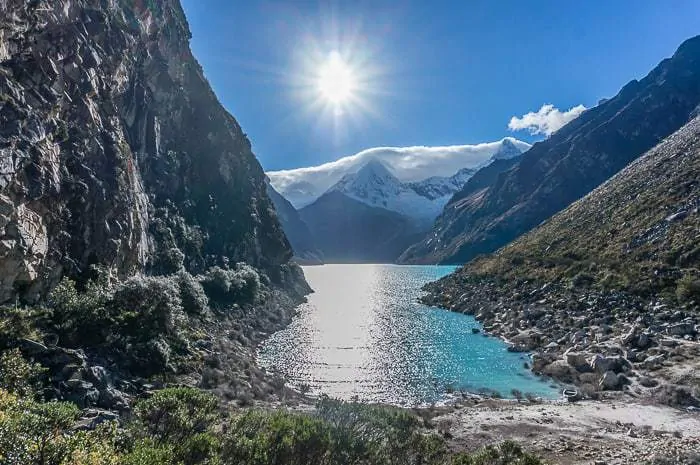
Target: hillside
[296, 230]
[350, 231]
[570, 163]
[616, 273]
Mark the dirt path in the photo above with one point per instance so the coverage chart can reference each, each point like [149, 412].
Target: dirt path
[591, 432]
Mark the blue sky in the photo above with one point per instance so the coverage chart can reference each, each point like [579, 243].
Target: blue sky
[433, 72]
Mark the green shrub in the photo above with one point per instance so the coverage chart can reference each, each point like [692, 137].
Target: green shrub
[81, 318]
[688, 289]
[194, 299]
[226, 286]
[283, 438]
[149, 306]
[32, 432]
[506, 453]
[18, 376]
[181, 418]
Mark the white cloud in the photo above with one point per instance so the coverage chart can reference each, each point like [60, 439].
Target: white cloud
[546, 121]
[302, 186]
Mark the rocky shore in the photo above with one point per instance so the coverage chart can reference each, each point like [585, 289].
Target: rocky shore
[594, 340]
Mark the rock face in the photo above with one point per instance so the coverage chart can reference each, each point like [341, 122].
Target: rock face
[114, 150]
[569, 164]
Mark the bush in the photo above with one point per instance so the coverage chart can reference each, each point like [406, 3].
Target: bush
[149, 306]
[506, 453]
[176, 413]
[194, 299]
[81, 318]
[227, 286]
[688, 289]
[282, 438]
[18, 376]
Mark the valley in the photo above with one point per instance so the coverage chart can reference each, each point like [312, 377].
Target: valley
[175, 291]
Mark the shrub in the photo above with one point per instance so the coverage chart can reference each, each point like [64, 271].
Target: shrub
[506, 453]
[149, 306]
[175, 414]
[32, 432]
[18, 376]
[688, 289]
[194, 299]
[227, 286]
[172, 260]
[282, 438]
[81, 317]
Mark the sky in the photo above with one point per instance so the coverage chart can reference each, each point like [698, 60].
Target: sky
[424, 73]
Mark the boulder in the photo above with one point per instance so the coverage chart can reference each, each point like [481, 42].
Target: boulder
[681, 329]
[600, 364]
[609, 381]
[99, 376]
[578, 361]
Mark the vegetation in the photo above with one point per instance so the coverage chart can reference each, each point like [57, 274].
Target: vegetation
[636, 233]
[186, 426]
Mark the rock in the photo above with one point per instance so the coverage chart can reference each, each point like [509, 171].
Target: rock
[600, 364]
[681, 329]
[80, 392]
[32, 348]
[609, 381]
[561, 371]
[112, 399]
[476, 330]
[648, 382]
[653, 362]
[99, 376]
[578, 361]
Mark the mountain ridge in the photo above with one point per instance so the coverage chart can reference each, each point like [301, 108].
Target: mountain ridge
[570, 163]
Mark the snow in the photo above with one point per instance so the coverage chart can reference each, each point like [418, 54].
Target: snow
[302, 186]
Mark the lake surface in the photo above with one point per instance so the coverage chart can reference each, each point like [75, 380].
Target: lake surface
[364, 335]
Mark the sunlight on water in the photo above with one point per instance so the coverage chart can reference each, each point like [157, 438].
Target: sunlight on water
[364, 335]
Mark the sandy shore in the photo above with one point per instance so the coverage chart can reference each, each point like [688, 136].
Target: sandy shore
[589, 432]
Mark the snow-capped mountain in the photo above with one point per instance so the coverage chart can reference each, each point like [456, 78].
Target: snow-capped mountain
[375, 185]
[302, 186]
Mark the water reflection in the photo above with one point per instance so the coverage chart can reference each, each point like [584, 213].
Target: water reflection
[363, 334]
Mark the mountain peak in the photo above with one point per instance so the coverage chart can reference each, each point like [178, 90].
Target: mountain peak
[507, 150]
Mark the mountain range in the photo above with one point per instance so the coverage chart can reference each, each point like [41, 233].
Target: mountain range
[347, 220]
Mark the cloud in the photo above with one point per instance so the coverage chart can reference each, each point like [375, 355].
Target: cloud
[302, 186]
[546, 121]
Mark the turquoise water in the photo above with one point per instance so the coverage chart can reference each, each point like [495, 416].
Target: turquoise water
[363, 335]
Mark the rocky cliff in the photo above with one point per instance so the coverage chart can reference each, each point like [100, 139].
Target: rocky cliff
[568, 165]
[115, 151]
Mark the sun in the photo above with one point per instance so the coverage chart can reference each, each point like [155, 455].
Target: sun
[336, 80]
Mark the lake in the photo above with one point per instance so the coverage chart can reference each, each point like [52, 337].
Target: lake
[363, 335]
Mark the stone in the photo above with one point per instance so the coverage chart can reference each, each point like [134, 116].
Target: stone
[32, 348]
[578, 361]
[600, 364]
[680, 329]
[99, 376]
[609, 381]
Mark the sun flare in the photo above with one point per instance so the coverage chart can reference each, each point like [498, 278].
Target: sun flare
[336, 80]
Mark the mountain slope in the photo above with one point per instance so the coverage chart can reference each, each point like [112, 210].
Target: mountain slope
[349, 231]
[116, 152]
[450, 223]
[297, 231]
[621, 262]
[573, 161]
